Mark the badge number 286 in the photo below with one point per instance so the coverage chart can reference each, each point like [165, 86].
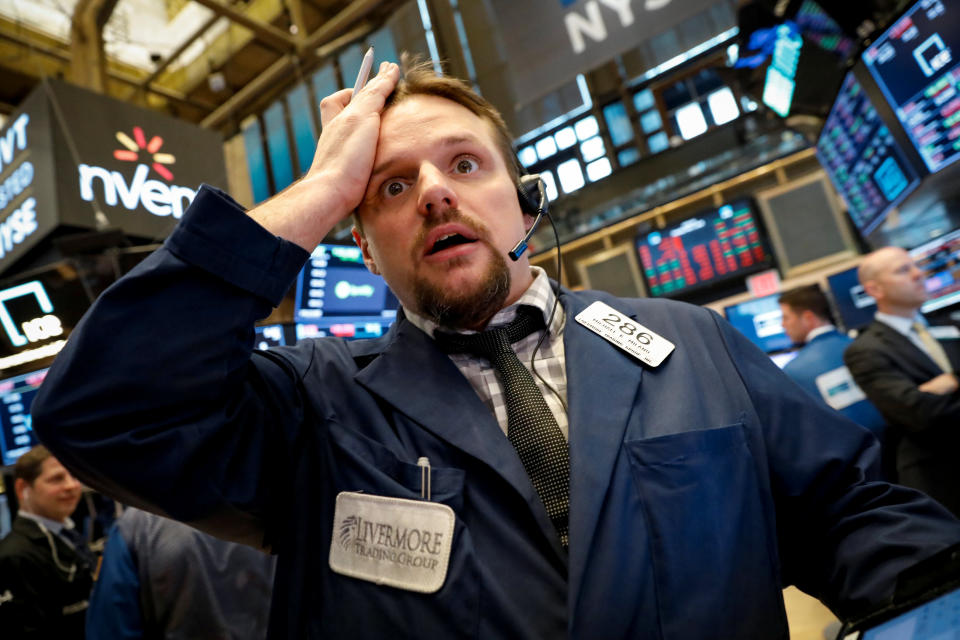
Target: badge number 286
[632, 337]
[626, 327]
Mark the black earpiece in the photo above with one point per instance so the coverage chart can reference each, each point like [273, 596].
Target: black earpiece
[532, 194]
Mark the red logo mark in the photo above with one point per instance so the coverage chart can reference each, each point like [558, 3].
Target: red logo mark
[139, 143]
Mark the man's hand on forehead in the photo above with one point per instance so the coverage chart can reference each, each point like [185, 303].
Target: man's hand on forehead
[335, 184]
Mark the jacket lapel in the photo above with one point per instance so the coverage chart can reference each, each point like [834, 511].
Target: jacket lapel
[905, 350]
[602, 389]
[421, 381]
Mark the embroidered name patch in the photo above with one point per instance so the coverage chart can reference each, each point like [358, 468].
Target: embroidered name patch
[391, 541]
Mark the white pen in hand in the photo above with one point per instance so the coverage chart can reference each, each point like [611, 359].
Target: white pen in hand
[364, 74]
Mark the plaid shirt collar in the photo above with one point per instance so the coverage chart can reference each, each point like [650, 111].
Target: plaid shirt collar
[539, 294]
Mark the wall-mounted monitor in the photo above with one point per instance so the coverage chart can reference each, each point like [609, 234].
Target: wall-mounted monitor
[855, 307]
[337, 295]
[719, 245]
[16, 425]
[761, 321]
[916, 63]
[940, 261]
[858, 152]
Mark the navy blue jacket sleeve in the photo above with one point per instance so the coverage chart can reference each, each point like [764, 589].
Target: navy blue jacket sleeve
[844, 535]
[114, 612]
[209, 418]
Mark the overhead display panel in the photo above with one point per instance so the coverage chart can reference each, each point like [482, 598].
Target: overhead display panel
[916, 63]
[717, 246]
[863, 160]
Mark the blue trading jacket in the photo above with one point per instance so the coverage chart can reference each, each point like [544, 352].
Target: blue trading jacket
[825, 353]
[699, 488]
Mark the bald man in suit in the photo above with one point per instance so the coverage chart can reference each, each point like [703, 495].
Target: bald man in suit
[907, 369]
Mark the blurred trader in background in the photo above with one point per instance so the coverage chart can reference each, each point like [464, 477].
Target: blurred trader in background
[414, 491]
[907, 368]
[818, 366]
[46, 570]
[163, 579]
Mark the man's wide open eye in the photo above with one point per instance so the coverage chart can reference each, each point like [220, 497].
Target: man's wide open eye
[392, 188]
[466, 165]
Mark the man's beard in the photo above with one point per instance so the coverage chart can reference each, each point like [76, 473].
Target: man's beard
[467, 308]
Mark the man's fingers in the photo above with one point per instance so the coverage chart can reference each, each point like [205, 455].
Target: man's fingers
[375, 93]
[333, 104]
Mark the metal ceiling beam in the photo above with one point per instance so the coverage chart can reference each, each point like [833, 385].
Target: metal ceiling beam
[330, 31]
[296, 16]
[267, 33]
[166, 62]
[88, 63]
[337, 24]
[63, 56]
[261, 83]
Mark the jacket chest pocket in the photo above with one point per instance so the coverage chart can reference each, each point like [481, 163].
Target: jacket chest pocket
[713, 559]
[353, 607]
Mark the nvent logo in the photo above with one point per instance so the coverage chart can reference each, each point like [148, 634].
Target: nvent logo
[158, 198]
[139, 143]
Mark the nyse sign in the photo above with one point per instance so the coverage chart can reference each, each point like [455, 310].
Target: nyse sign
[554, 40]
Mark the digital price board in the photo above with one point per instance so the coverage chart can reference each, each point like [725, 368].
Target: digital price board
[940, 261]
[862, 158]
[16, 426]
[916, 63]
[722, 244]
[338, 296]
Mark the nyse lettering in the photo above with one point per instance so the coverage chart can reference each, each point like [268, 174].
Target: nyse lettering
[592, 23]
[18, 225]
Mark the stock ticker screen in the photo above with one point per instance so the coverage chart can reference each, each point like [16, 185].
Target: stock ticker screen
[700, 251]
[916, 63]
[16, 426]
[862, 158]
[338, 296]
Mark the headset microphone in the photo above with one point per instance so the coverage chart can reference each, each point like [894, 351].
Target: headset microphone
[533, 201]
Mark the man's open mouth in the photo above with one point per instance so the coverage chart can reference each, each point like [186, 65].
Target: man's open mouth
[448, 241]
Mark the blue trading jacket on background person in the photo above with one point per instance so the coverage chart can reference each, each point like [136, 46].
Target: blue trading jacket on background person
[162, 579]
[699, 488]
[825, 353]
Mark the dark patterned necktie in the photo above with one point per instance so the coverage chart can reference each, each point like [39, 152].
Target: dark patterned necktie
[79, 543]
[531, 427]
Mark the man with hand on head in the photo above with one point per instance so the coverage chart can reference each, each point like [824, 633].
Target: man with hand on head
[907, 368]
[495, 466]
[46, 569]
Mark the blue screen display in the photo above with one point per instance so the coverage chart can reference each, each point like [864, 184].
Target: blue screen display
[863, 160]
[761, 321]
[939, 618]
[337, 295]
[16, 426]
[916, 63]
[855, 307]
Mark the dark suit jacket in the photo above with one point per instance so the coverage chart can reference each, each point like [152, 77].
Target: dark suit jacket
[39, 598]
[889, 368]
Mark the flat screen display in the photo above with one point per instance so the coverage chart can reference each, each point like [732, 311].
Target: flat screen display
[855, 307]
[719, 245]
[862, 158]
[916, 63]
[16, 426]
[338, 296]
[940, 261]
[269, 335]
[934, 620]
[761, 321]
